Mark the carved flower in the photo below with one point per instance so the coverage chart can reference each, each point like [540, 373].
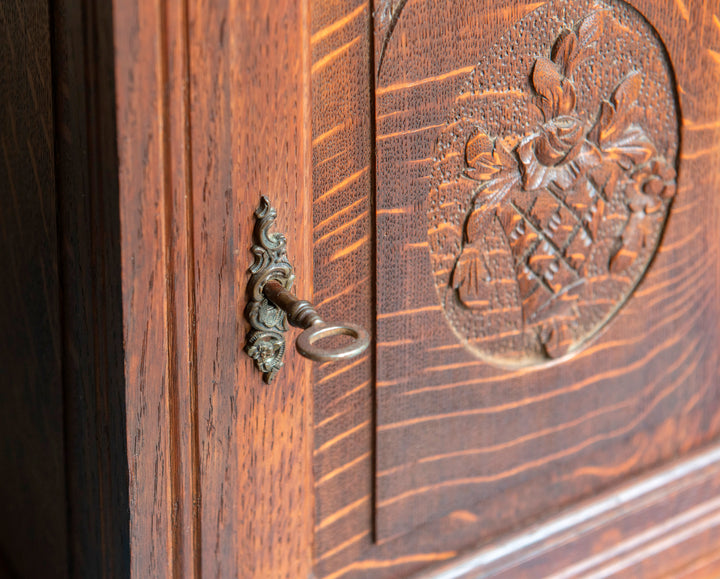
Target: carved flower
[651, 186]
[545, 156]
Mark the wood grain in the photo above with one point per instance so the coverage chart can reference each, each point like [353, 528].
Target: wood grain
[33, 528]
[640, 395]
[250, 135]
[220, 470]
[91, 298]
[343, 253]
[471, 398]
[145, 197]
[664, 524]
[213, 111]
[462, 431]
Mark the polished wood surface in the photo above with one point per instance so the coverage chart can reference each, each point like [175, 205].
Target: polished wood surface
[140, 439]
[666, 524]
[343, 252]
[403, 461]
[641, 394]
[452, 429]
[208, 120]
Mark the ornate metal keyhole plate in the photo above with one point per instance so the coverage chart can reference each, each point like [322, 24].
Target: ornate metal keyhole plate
[553, 181]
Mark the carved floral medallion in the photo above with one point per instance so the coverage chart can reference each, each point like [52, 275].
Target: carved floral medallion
[552, 184]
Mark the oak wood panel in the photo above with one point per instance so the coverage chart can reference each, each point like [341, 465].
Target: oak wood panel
[145, 195]
[664, 524]
[452, 429]
[344, 273]
[33, 531]
[220, 470]
[670, 417]
[249, 96]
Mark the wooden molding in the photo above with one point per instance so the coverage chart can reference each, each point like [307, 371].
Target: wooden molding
[672, 514]
[212, 112]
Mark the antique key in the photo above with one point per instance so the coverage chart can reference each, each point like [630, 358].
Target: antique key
[302, 314]
[271, 306]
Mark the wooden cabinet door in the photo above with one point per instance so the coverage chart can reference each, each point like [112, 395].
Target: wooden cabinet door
[517, 199]
[530, 215]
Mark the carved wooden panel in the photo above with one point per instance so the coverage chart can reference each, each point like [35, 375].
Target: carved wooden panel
[447, 444]
[523, 188]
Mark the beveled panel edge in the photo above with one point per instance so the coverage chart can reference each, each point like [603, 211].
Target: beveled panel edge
[634, 514]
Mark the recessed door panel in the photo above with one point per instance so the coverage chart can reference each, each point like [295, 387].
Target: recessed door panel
[543, 290]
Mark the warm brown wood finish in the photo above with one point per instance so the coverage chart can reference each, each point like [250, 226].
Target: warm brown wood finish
[517, 198]
[454, 429]
[343, 215]
[641, 393]
[213, 111]
[665, 525]
[250, 136]
[33, 538]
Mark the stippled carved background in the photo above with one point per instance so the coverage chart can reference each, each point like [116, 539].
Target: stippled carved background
[552, 182]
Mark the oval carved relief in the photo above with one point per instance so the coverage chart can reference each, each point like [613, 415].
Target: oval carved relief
[552, 182]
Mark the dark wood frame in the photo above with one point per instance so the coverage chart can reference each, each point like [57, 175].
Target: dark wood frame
[92, 318]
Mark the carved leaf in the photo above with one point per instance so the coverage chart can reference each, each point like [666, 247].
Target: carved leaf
[557, 94]
[480, 157]
[613, 118]
[495, 190]
[630, 148]
[621, 141]
[627, 92]
[503, 153]
[476, 273]
[572, 47]
[591, 27]
[565, 49]
[472, 278]
[477, 226]
[638, 231]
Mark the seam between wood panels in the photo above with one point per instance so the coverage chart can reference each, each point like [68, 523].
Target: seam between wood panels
[178, 504]
[308, 205]
[174, 513]
[191, 304]
[183, 520]
[373, 259]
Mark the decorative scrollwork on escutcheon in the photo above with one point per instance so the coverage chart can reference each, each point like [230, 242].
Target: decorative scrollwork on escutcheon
[266, 338]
